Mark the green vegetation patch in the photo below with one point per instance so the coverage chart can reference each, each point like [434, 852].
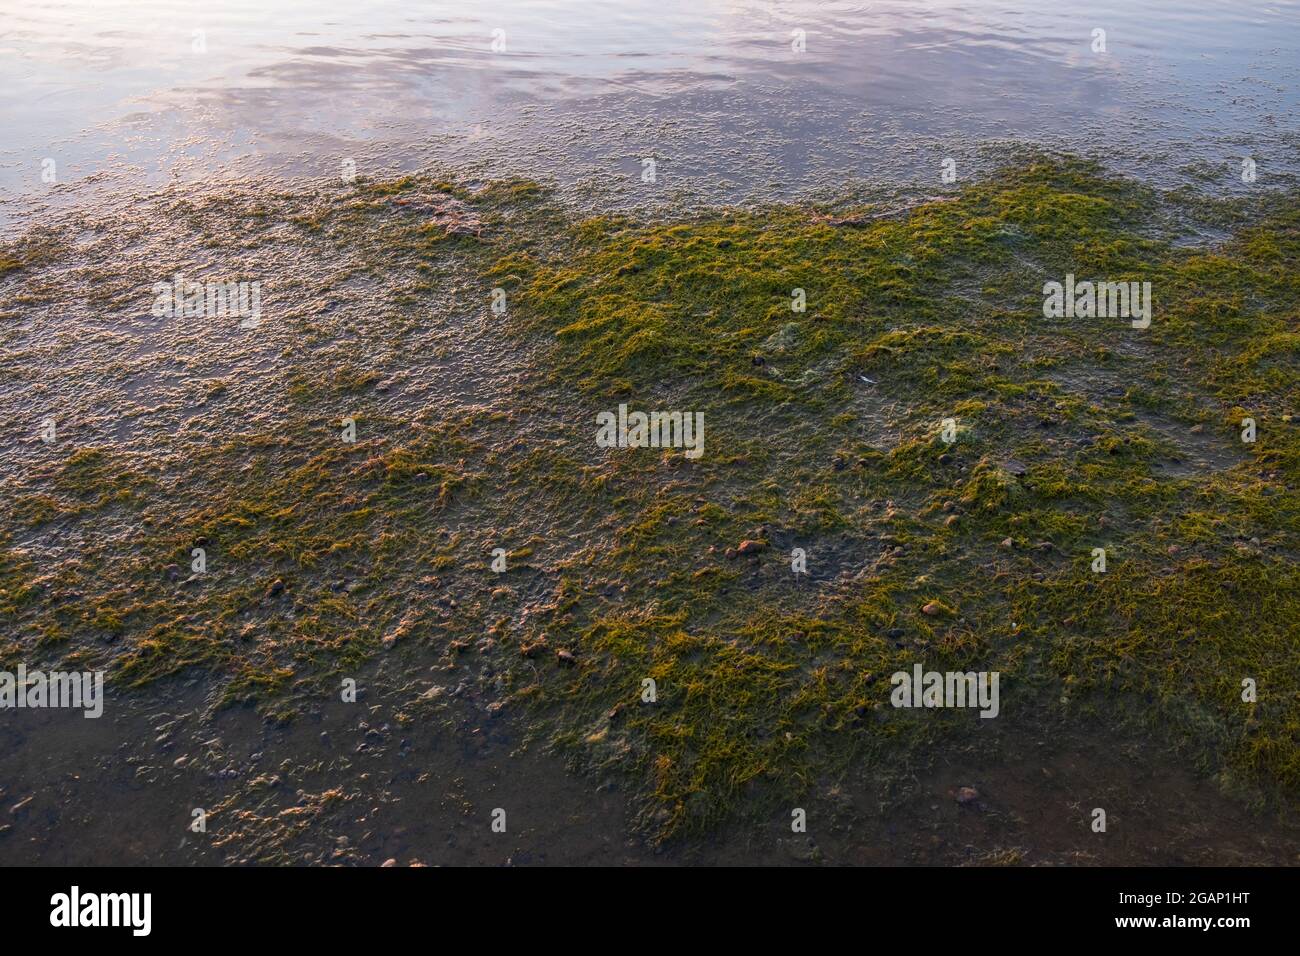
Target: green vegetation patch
[883, 396]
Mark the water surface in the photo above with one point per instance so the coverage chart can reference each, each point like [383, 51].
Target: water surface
[721, 93]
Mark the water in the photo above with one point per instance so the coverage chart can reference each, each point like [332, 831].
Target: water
[122, 92]
[122, 97]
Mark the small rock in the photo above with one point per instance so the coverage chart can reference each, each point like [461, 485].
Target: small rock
[1007, 543]
[388, 862]
[966, 796]
[934, 609]
[565, 657]
[750, 546]
[277, 588]
[950, 521]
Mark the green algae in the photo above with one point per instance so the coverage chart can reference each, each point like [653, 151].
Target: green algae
[824, 435]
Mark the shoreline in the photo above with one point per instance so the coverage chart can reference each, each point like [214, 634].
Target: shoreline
[473, 431]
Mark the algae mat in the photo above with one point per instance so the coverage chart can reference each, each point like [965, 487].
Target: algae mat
[398, 481]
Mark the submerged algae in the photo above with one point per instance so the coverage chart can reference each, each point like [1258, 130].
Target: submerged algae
[824, 436]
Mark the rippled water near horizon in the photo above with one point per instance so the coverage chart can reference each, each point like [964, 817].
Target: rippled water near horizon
[720, 92]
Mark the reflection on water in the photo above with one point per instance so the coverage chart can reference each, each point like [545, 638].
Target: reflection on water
[157, 89]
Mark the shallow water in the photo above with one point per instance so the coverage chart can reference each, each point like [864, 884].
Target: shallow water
[118, 91]
[116, 95]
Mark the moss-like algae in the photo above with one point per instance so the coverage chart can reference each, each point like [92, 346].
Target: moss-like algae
[824, 434]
